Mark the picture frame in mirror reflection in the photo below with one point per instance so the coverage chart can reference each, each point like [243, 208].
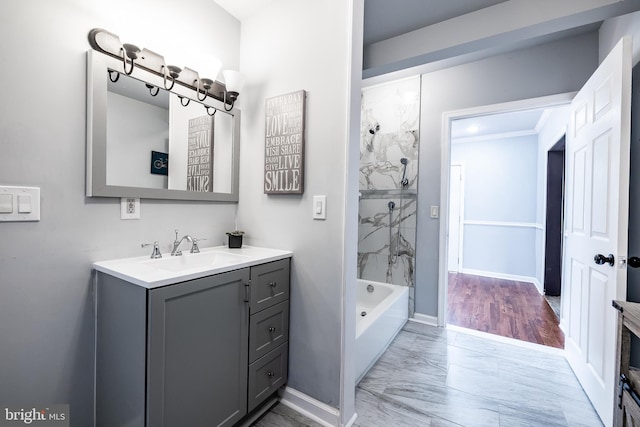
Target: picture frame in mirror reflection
[200, 154]
[159, 163]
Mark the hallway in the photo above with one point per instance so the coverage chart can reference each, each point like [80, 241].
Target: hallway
[502, 307]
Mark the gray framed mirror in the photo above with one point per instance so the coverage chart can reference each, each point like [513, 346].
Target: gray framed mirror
[144, 141]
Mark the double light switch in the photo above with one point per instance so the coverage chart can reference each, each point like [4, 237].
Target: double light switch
[19, 203]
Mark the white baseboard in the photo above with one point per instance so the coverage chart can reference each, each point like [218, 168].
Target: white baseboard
[424, 318]
[311, 408]
[351, 421]
[538, 285]
[504, 276]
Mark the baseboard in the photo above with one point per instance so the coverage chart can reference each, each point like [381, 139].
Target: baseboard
[351, 421]
[538, 285]
[503, 276]
[311, 408]
[425, 319]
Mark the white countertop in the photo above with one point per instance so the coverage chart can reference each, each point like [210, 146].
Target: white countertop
[151, 273]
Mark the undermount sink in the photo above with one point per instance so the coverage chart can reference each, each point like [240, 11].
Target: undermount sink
[189, 261]
[152, 273]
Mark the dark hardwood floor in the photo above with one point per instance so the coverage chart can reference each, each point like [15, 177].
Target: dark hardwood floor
[502, 307]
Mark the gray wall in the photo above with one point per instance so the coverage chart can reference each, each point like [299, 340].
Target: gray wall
[500, 184]
[552, 68]
[285, 48]
[46, 293]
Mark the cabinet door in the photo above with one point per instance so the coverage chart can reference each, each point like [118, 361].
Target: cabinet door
[197, 352]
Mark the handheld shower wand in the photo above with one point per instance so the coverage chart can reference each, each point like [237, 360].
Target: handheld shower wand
[404, 182]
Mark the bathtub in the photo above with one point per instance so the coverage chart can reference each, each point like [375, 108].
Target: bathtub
[385, 312]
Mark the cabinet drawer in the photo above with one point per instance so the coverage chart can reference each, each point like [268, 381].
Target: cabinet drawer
[266, 375]
[268, 329]
[269, 284]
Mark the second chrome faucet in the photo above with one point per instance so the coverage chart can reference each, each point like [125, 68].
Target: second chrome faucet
[176, 244]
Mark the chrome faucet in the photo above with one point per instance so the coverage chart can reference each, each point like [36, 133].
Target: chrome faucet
[176, 244]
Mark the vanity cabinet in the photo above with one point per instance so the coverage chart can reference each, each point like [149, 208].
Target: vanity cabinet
[204, 352]
[268, 331]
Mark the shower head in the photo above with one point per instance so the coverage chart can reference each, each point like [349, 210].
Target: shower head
[404, 161]
[391, 205]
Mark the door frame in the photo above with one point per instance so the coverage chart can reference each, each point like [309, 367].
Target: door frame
[447, 118]
[461, 223]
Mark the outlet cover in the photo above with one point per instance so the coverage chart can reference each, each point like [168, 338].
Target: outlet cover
[130, 208]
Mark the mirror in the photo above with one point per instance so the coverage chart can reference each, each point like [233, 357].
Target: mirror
[144, 141]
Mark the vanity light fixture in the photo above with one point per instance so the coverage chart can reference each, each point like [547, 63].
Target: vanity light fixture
[182, 98]
[151, 89]
[206, 84]
[173, 73]
[111, 73]
[131, 51]
[133, 57]
[233, 82]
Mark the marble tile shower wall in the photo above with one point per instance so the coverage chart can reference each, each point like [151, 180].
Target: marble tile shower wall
[389, 133]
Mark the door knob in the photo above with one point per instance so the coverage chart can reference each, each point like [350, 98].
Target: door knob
[634, 262]
[601, 259]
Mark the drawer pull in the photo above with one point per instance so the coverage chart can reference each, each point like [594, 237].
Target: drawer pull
[270, 374]
[272, 329]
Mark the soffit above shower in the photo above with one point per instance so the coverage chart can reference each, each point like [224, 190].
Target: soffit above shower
[384, 19]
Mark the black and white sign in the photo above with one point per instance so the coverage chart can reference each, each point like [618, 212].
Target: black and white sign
[284, 144]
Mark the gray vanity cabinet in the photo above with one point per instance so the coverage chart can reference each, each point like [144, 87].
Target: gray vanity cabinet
[198, 352]
[206, 352]
[268, 331]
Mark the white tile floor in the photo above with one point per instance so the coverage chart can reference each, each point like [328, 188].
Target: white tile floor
[439, 377]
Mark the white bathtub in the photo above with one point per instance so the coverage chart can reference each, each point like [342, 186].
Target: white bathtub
[387, 310]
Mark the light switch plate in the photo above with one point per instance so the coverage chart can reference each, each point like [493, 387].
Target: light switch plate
[319, 207]
[6, 203]
[434, 212]
[19, 204]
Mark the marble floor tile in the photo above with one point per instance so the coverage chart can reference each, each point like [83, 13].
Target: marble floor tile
[446, 403]
[526, 416]
[374, 410]
[487, 383]
[434, 377]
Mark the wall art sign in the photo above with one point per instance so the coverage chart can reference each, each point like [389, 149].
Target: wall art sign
[284, 144]
[200, 154]
[159, 163]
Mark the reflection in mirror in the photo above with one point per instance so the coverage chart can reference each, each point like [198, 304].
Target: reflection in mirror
[151, 143]
[130, 142]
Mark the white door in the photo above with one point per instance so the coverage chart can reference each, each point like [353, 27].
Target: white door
[455, 218]
[597, 207]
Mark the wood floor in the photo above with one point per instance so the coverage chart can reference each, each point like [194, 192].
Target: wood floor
[502, 307]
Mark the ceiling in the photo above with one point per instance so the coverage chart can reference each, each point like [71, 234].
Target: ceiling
[242, 9]
[384, 19]
[504, 124]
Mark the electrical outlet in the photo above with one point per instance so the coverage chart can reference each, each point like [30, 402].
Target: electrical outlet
[129, 208]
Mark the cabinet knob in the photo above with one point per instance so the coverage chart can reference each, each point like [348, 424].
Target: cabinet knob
[273, 284]
[270, 374]
[272, 329]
